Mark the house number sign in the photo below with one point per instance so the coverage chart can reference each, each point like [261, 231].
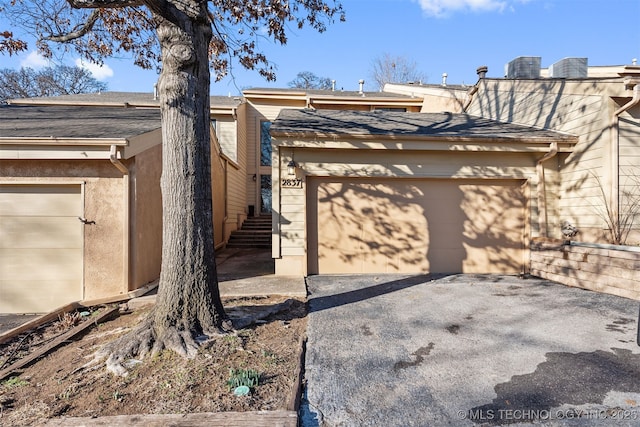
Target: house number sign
[291, 183]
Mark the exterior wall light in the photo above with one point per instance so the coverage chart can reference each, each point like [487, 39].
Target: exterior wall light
[291, 168]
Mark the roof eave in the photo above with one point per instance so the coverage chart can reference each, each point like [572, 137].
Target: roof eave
[365, 100]
[64, 141]
[565, 143]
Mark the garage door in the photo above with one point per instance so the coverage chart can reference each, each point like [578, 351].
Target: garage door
[411, 226]
[40, 247]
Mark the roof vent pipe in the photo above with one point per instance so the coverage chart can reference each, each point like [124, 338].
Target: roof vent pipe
[482, 71]
[361, 83]
[333, 85]
[444, 79]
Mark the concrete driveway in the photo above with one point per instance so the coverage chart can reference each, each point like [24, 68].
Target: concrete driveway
[468, 350]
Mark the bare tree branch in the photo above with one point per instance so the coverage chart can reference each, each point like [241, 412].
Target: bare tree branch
[111, 4]
[395, 69]
[77, 33]
[50, 81]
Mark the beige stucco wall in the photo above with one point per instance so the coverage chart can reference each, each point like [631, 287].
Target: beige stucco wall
[290, 238]
[146, 217]
[580, 107]
[104, 196]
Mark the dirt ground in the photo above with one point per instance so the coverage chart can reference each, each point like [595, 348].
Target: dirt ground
[58, 385]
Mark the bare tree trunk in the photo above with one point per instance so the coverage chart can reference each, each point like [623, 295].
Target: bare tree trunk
[188, 296]
[188, 304]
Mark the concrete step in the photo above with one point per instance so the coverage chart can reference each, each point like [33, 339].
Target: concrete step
[255, 233]
[250, 237]
[256, 227]
[248, 245]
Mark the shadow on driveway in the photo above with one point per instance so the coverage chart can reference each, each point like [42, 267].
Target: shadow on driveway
[320, 303]
[464, 350]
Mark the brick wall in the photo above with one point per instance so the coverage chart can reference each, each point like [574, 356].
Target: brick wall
[601, 268]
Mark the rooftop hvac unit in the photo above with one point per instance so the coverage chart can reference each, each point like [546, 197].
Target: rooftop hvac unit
[569, 68]
[523, 67]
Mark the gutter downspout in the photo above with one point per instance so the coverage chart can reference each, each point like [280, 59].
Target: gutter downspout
[543, 220]
[615, 152]
[126, 242]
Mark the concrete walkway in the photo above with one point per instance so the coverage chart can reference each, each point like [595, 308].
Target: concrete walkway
[466, 350]
[250, 272]
[246, 273]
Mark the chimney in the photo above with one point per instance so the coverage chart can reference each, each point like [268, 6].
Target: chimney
[155, 92]
[333, 85]
[361, 83]
[444, 79]
[482, 71]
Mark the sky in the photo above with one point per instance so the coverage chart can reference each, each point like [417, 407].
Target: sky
[440, 36]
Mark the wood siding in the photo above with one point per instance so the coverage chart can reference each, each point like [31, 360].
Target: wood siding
[583, 108]
[256, 113]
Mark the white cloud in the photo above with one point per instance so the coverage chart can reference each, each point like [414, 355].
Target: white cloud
[34, 60]
[99, 72]
[442, 8]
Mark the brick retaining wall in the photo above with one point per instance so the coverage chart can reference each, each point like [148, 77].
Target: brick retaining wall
[602, 269]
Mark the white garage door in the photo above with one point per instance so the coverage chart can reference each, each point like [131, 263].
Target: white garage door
[40, 247]
[412, 226]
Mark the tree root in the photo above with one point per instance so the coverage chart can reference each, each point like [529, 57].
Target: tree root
[147, 340]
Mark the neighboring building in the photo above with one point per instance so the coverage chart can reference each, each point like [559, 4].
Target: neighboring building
[80, 206]
[228, 157]
[49, 152]
[596, 104]
[604, 114]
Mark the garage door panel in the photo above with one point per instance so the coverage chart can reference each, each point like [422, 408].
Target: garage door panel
[35, 296]
[40, 200]
[40, 232]
[41, 247]
[361, 236]
[447, 260]
[406, 225]
[40, 264]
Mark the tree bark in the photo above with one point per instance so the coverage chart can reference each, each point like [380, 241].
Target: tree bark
[188, 296]
[188, 304]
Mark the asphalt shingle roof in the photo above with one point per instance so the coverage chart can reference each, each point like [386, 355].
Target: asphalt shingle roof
[76, 122]
[117, 98]
[437, 125]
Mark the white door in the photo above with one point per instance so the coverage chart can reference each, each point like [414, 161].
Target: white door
[40, 247]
